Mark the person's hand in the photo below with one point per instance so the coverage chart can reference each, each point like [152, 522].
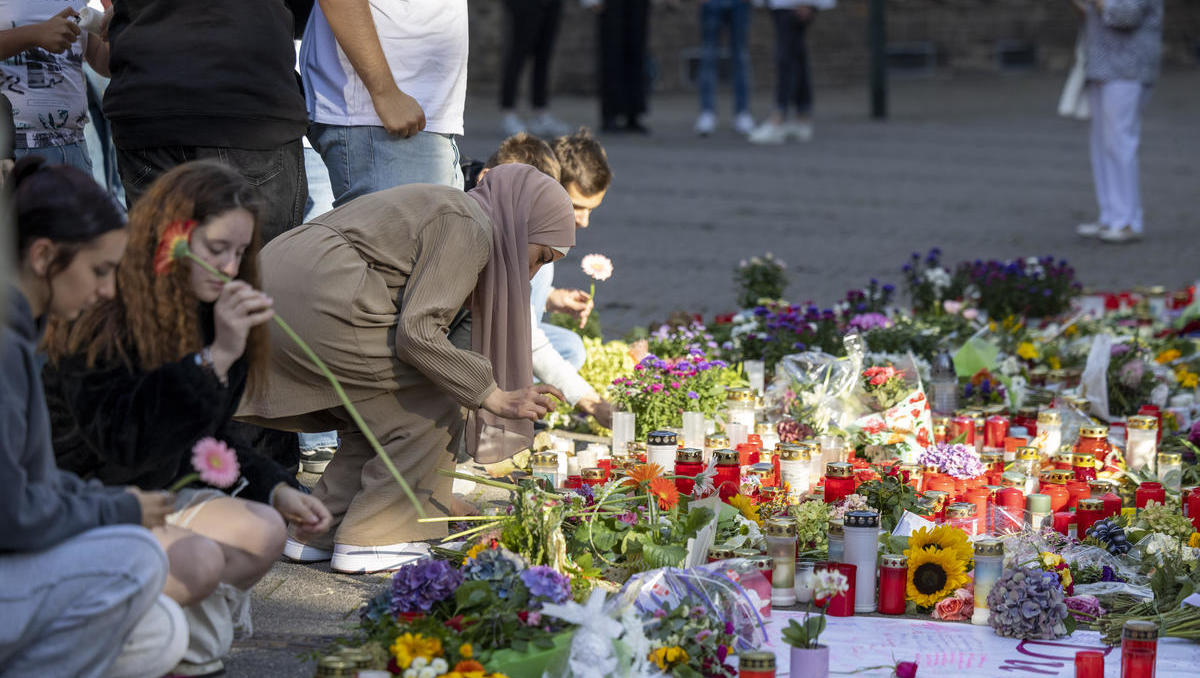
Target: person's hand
[532, 402]
[576, 302]
[156, 506]
[239, 309]
[59, 32]
[598, 408]
[401, 114]
[305, 512]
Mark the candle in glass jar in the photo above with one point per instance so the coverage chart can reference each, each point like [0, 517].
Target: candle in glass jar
[1049, 432]
[1064, 461]
[781, 546]
[1170, 470]
[1026, 418]
[833, 448]
[861, 530]
[993, 465]
[1104, 489]
[688, 463]
[623, 428]
[1193, 507]
[941, 434]
[1029, 464]
[1087, 512]
[941, 501]
[842, 605]
[839, 481]
[592, 476]
[1064, 523]
[893, 581]
[1148, 492]
[837, 541]
[718, 553]
[756, 664]
[693, 429]
[989, 562]
[739, 407]
[804, 582]
[545, 468]
[660, 450]
[1010, 502]
[1054, 485]
[1089, 664]
[1037, 510]
[764, 563]
[794, 466]
[961, 515]
[1085, 467]
[1139, 649]
[995, 431]
[1079, 490]
[1141, 442]
[963, 427]
[728, 477]
[713, 443]
[978, 496]
[766, 432]
[756, 374]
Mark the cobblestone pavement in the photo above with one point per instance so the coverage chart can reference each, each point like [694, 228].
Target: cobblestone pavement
[980, 168]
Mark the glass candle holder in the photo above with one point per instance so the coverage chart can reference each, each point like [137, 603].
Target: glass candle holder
[756, 664]
[1010, 505]
[660, 450]
[861, 530]
[893, 581]
[989, 562]
[592, 476]
[833, 448]
[1170, 470]
[739, 407]
[623, 429]
[1089, 664]
[1141, 441]
[941, 500]
[1085, 467]
[1087, 512]
[756, 374]
[1049, 432]
[693, 429]
[1078, 489]
[839, 481]
[837, 541]
[712, 443]
[738, 433]
[719, 553]
[1148, 492]
[688, 462]
[545, 468]
[804, 582]
[1139, 649]
[961, 515]
[1064, 523]
[1037, 510]
[841, 605]
[794, 466]
[963, 427]
[781, 546]
[978, 496]
[995, 430]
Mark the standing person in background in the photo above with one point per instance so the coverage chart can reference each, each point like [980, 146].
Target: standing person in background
[215, 79]
[42, 70]
[532, 31]
[734, 16]
[793, 76]
[1123, 49]
[386, 85]
[623, 27]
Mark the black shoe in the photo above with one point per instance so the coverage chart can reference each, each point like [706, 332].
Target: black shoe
[315, 460]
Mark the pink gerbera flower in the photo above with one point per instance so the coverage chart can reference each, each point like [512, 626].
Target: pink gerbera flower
[597, 266]
[216, 462]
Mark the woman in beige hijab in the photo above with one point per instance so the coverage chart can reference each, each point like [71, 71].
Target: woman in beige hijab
[418, 299]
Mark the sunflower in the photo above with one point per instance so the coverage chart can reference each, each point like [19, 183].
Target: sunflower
[933, 574]
[666, 492]
[942, 538]
[746, 507]
[643, 473]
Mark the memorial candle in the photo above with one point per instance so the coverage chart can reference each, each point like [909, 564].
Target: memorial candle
[989, 562]
[728, 477]
[1139, 649]
[861, 550]
[839, 481]
[756, 664]
[1011, 504]
[1148, 492]
[687, 463]
[893, 581]
[1087, 512]
[793, 470]
[781, 546]
[661, 447]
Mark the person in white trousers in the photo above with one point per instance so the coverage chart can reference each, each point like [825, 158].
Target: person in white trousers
[1122, 48]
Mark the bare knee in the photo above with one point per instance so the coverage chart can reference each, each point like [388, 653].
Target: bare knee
[196, 567]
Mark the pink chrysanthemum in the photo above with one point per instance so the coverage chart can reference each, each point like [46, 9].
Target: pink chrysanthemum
[597, 266]
[216, 462]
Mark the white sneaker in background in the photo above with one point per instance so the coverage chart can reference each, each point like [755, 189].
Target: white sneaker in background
[743, 123]
[512, 124]
[300, 552]
[768, 133]
[706, 124]
[1119, 235]
[1090, 230]
[548, 127]
[799, 130]
[349, 559]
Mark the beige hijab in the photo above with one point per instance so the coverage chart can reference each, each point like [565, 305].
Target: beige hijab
[525, 207]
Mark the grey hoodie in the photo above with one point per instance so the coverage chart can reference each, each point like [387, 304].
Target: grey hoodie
[40, 505]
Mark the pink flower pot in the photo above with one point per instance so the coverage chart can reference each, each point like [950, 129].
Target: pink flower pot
[810, 663]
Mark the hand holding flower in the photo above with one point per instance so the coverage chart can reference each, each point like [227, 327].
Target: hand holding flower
[304, 511]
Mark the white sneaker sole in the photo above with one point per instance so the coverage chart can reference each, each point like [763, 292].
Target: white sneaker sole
[313, 466]
[367, 559]
[303, 553]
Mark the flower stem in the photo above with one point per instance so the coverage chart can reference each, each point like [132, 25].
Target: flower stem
[337, 388]
[183, 482]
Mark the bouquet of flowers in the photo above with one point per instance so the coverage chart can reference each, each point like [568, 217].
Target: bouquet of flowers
[885, 385]
[686, 641]
[760, 278]
[676, 341]
[929, 284]
[660, 391]
[1031, 287]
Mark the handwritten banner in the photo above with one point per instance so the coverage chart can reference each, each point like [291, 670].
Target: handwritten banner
[947, 649]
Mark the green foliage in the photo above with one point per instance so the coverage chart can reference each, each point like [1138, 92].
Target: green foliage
[806, 633]
[891, 496]
[760, 278]
[591, 330]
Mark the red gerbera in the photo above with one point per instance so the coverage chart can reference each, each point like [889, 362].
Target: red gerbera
[666, 492]
[174, 244]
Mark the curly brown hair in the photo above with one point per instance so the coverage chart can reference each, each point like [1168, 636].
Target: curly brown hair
[155, 319]
[583, 162]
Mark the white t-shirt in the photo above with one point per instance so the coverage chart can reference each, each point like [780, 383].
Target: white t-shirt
[425, 42]
[47, 91]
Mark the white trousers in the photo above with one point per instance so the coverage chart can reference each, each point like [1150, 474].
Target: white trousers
[1116, 130]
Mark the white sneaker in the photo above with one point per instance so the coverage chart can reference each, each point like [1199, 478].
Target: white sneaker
[706, 124]
[1090, 230]
[799, 131]
[768, 133]
[299, 552]
[743, 123]
[1118, 235]
[547, 126]
[349, 559]
[513, 124]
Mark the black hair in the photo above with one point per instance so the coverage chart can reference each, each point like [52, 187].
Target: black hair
[60, 203]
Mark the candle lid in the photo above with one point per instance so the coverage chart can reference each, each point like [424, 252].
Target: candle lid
[1093, 432]
[546, 459]
[662, 438]
[780, 528]
[756, 661]
[726, 457]
[1140, 630]
[862, 519]
[836, 527]
[1101, 485]
[716, 440]
[688, 455]
[1083, 460]
[1028, 412]
[762, 470]
[762, 562]
[1028, 453]
[740, 395]
[993, 410]
[358, 656]
[1090, 504]
[1170, 458]
[1012, 479]
[1057, 476]
[790, 452]
[334, 663]
[1037, 503]
[959, 510]
[839, 469]
[896, 560]
[967, 412]
[991, 457]
[1046, 417]
[989, 547]
[720, 553]
[1143, 422]
[937, 495]
[746, 553]
[592, 473]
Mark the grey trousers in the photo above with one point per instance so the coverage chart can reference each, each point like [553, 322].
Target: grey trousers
[67, 610]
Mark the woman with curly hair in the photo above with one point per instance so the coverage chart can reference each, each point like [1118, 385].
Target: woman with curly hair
[138, 380]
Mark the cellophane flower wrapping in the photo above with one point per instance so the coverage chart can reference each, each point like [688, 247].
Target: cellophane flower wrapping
[818, 389]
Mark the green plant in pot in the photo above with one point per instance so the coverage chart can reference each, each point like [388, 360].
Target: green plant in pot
[810, 659]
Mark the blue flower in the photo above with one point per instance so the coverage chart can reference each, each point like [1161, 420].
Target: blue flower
[693, 395]
[417, 587]
[546, 585]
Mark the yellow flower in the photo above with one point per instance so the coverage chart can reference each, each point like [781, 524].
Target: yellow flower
[1167, 356]
[1027, 350]
[1194, 540]
[666, 657]
[1071, 330]
[1186, 378]
[476, 550]
[942, 538]
[933, 574]
[409, 646]
[1055, 363]
[1064, 576]
[466, 651]
[746, 507]
[1050, 559]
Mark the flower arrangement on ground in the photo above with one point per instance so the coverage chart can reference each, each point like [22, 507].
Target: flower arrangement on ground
[938, 561]
[1028, 603]
[759, 278]
[884, 385]
[660, 391]
[687, 641]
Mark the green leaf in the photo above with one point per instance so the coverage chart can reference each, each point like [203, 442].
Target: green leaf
[670, 555]
[1071, 623]
[474, 594]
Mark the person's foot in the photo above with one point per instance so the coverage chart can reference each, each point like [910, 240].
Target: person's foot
[706, 124]
[205, 670]
[349, 559]
[799, 130]
[1119, 235]
[299, 552]
[768, 133]
[1091, 229]
[634, 125]
[316, 459]
[547, 126]
[743, 123]
[512, 124]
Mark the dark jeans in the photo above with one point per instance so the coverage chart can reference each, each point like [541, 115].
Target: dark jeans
[623, 29]
[793, 84]
[277, 174]
[532, 30]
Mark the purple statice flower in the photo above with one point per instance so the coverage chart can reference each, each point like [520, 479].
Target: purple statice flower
[1132, 372]
[957, 460]
[865, 322]
[546, 585]
[418, 587]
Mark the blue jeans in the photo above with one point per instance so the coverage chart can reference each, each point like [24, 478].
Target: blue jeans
[364, 159]
[320, 193]
[567, 343]
[99, 139]
[76, 155]
[735, 16]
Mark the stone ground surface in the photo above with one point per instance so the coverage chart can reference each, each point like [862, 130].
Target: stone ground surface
[981, 168]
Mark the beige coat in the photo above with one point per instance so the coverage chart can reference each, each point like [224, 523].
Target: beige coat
[373, 287]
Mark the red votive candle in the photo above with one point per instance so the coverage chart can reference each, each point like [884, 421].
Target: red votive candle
[1089, 664]
[995, 430]
[1079, 490]
[940, 482]
[979, 497]
[688, 462]
[1012, 443]
[605, 464]
[728, 478]
[841, 605]
[1011, 516]
[963, 427]
[1087, 512]
[1139, 649]
[893, 580]
[839, 481]
[1063, 520]
[1137, 663]
[592, 476]
[1193, 507]
[1148, 492]
[747, 454]
[1059, 496]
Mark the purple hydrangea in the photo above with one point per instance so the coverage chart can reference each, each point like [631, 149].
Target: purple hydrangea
[1026, 603]
[956, 460]
[418, 587]
[546, 585]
